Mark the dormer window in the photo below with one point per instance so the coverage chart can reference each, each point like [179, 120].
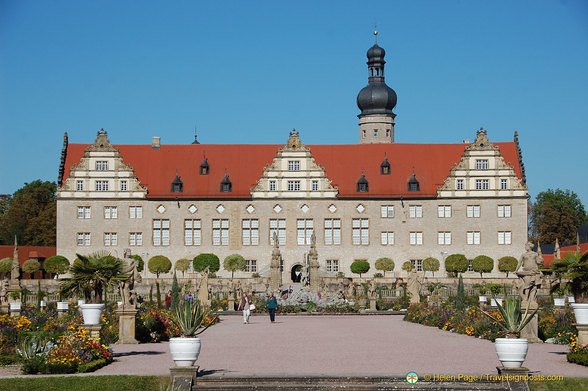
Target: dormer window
[413, 184]
[362, 185]
[177, 186]
[385, 167]
[226, 186]
[204, 167]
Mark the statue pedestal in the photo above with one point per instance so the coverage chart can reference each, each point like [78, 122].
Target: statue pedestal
[531, 330]
[231, 304]
[582, 334]
[513, 378]
[94, 330]
[4, 308]
[126, 326]
[183, 378]
[373, 305]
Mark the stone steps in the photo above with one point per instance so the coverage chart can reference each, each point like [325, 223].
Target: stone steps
[323, 382]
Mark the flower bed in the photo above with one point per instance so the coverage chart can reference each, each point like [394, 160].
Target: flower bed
[577, 354]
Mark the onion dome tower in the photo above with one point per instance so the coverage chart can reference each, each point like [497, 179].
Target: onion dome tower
[376, 101]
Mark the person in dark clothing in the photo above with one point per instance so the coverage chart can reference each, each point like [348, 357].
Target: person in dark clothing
[271, 304]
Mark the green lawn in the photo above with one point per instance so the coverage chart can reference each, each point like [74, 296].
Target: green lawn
[84, 383]
[568, 384]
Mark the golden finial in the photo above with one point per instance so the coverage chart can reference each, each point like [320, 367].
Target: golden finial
[376, 33]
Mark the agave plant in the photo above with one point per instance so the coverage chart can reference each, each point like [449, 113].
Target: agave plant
[189, 318]
[33, 346]
[512, 320]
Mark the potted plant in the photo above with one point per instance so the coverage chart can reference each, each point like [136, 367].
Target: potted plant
[90, 276]
[482, 290]
[578, 286]
[512, 350]
[558, 291]
[191, 320]
[15, 304]
[495, 290]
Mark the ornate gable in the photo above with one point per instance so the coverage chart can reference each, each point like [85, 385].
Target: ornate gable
[294, 174]
[101, 173]
[482, 172]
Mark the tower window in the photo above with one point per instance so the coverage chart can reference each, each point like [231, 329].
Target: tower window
[363, 133]
[387, 132]
[375, 132]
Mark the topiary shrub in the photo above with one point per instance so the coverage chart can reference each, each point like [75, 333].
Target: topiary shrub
[507, 264]
[233, 263]
[407, 266]
[360, 266]
[6, 265]
[384, 264]
[431, 265]
[483, 264]
[56, 264]
[456, 264]
[159, 264]
[31, 266]
[183, 265]
[378, 275]
[204, 260]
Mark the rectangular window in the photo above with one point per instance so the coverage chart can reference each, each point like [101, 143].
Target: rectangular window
[101, 185]
[470, 265]
[416, 211]
[83, 212]
[444, 238]
[135, 212]
[504, 184]
[279, 226]
[418, 264]
[332, 265]
[272, 185]
[360, 231]
[473, 211]
[504, 237]
[110, 238]
[250, 232]
[220, 232]
[79, 185]
[444, 211]
[304, 229]
[416, 238]
[123, 185]
[293, 185]
[387, 238]
[83, 239]
[192, 232]
[332, 232]
[110, 212]
[293, 165]
[481, 164]
[387, 211]
[473, 237]
[101, 165]
[135, 238]
[504, 211]
[482, 184]
[375, 132]
[250, 266]
[459, 184]
[161, 232]
[314, 185]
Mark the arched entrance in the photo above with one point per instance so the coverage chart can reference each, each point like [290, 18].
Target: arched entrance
[296, 273]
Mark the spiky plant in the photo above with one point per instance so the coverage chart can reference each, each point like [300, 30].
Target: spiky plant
[512, 320]
[189, 318]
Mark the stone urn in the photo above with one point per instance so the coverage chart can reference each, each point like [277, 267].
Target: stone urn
[559, 301]
[184, 350]
[511, 352]
[581, 313]
[92, 313]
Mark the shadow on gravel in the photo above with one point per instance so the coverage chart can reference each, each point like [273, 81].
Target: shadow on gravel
[210, 372]
[145, 353]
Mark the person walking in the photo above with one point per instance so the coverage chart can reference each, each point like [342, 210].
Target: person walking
[168, 300]
[271, 304]
[244, 304]
[189, 297]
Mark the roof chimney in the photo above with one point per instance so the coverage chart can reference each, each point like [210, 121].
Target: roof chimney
[156, 143]
[466, 141]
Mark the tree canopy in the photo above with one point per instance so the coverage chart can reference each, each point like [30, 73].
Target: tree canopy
[5, 265]
[557, 214]
[31, 266]
[384, 264]
[360, 266]
[56, 264]
[201, 261]
[431, 265]
[182, 265]
[407, 266]
[233, 263]
[159, 264]
[482, 264]
[141, 264]
[30, 215]
[507, 264]
[456, 264]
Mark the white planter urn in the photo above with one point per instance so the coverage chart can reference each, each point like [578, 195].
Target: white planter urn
[15, 306]
[511, 351]
[184, 351]
[559, 301]
[43, 303]
[482, 298]
[581, 312]
[92, 313]
[62, 305]
[494, 301]
[571, 299]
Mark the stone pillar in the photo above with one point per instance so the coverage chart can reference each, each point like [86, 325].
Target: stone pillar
[183, 378]
[582, 334]
[373, 305]
[275, 267]
[313, 265]
[126, 325]
[94, 330]
[514, 379]
[531, 330]
[15, 308]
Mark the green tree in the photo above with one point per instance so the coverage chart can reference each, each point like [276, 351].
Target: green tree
[456, 264]
[56, 264]
[6, 265]
[234, 262]
[507, 264]
[175, 299]
[407, 266]
[182, 265]
[140, 260]
[431, 265]
[30, 215]
[384, 264]
[557, 214]
[483, 264]
[159, 264]
[360, 266]
[204, 260]
[460, 298]
[31, 266]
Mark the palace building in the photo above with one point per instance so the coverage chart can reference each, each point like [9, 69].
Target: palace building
[373, 199]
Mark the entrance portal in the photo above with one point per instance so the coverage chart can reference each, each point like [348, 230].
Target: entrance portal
[296, 273]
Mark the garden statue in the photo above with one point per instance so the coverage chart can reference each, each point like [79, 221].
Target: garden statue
[372, 291]
[414, 286]
[128, 292]
[350, 293]
[4, 291]
[527, 285]
[203, 296]
[239, 289]
[276, 265]
[304, 276]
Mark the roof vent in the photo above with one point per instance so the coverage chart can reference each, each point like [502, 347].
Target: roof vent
[156, 142]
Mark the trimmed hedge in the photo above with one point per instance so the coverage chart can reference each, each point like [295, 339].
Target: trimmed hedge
[578, 358]
[93, 365]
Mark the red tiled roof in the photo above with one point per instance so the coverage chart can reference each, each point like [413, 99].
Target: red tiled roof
[27, 252]
[563, 251]
[244, 164]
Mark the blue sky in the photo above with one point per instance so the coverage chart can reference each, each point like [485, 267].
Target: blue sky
[249, 72]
